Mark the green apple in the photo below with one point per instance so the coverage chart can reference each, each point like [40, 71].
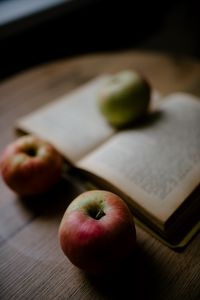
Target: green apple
[124, 98]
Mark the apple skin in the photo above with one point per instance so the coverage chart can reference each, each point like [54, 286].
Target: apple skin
[97, 232]
[30, 165]
[124, 98]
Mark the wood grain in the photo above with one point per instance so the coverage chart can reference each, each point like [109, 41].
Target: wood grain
[32, 265]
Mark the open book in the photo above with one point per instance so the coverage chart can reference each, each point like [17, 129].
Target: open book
[154, 165]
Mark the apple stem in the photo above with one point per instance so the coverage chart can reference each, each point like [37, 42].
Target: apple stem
[100, 214]
[31, 151]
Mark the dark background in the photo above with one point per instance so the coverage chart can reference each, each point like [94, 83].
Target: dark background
[100, 25]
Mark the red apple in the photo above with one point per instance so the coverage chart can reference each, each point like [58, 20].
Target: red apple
[30, 165]
[97, 231]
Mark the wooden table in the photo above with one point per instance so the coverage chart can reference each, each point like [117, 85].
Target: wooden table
[32, 266]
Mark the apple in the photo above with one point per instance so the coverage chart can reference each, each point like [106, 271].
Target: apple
[124, 98]
[30, 165]
[97, 232]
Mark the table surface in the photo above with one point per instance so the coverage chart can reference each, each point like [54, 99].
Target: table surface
[32, 265]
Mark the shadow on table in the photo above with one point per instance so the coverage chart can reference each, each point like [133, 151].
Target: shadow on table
[139, 276]
[53, 203]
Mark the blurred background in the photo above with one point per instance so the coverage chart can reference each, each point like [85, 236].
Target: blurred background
[37, 31]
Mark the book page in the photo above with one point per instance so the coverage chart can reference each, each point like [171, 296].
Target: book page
[158, 163]
[73, 123]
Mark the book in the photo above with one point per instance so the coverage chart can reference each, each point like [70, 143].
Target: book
[153, 165]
